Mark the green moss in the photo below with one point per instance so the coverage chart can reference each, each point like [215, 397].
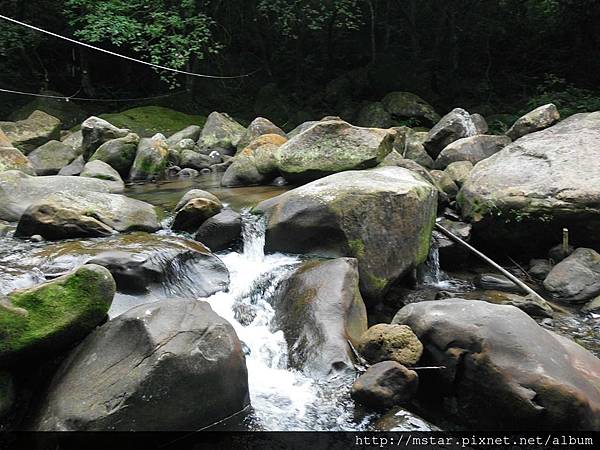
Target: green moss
[357, 248]
[69, 306]
[149, 120]
[378, 283]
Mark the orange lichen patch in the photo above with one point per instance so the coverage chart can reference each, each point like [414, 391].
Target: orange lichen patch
[272, 139]
[4, 140]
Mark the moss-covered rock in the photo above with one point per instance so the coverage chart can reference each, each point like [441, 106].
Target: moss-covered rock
[408, 106]
[151, 158]
[220, 133]
[386, 342]
[95, 131]
[53, 316]
[146, 121]
[49, 158]
[383, 217]
[64, 215]
[332, 146]
[374, 115]
[118, 153]
[30, 133]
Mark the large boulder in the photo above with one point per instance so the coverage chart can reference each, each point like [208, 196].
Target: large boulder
[220, 133]
[374, 115]
[383, 217]
[474, 149]
[51, 317]
[74, 168]
[455, 125]
[49, 158]
[576, 278]
[221, 231]
[193, 160]
[406, 106]
[332, 146]
[19, 190]
[536, 120]
[256, 164]
[13, 159]
[413, 148]
[118, 153]
[151, 158]
[319, 309]
[74, 140]
[102, 171]
[259, 127]
[193, 214]
[168, 365]
[64, 215]
[538, 185]
[385, 385]
[497, 356]
[27, 135]
[95, 132]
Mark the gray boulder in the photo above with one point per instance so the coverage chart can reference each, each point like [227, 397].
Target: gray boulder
[75, 168]
[95, 132]
[453, 126]
[220, 133]
[102, 171]
[385, 385]
[74, 140]
[383, 217]
[459, 171]
[538, 185]
[64, 215]
[193, 214]
[405, 105]
[220, 231]
[190, 159]
[445, 183]
[498, 356]
[576, 278]
[151, 158]
[481, 124]
[374, 115]
[49, 158]
[168, 365]
[332, 146]
[19, 190]
[195, 193]
[319, 309]
[118, 153]
[474, 149]
[192, 132]
[536, 120]
[414, 149]
[28, 134]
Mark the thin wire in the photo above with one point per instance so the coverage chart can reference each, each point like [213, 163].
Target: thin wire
[157, 66]
[83, 99]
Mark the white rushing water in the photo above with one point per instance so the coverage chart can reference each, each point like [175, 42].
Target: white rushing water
[282, 398]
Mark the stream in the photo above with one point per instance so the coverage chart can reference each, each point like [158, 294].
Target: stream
[282, 399]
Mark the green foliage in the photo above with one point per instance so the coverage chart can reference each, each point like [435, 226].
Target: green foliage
[568, 99]
[164, 32]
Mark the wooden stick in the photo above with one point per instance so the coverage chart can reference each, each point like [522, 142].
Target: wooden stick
[501, 269]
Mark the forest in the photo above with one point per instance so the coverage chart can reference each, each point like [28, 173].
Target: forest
[307, 58]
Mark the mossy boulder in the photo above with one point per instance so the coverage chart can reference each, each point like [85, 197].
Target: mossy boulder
[383, 217]
[53, 316]
[533, 188]
[387, 342]
[151, 158]
[220, 133]
[64, 215]
[332, 146]
[319, 309]
[256, 164]
[146, 121]
[19, 190]
[69, 113]
[95, 131]
[30, 133]
[374, 115]
[13, 159]
[49, 158]
[405, 106]
[118, 153]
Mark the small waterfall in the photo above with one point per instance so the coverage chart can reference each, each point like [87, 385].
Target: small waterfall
[431, 273]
